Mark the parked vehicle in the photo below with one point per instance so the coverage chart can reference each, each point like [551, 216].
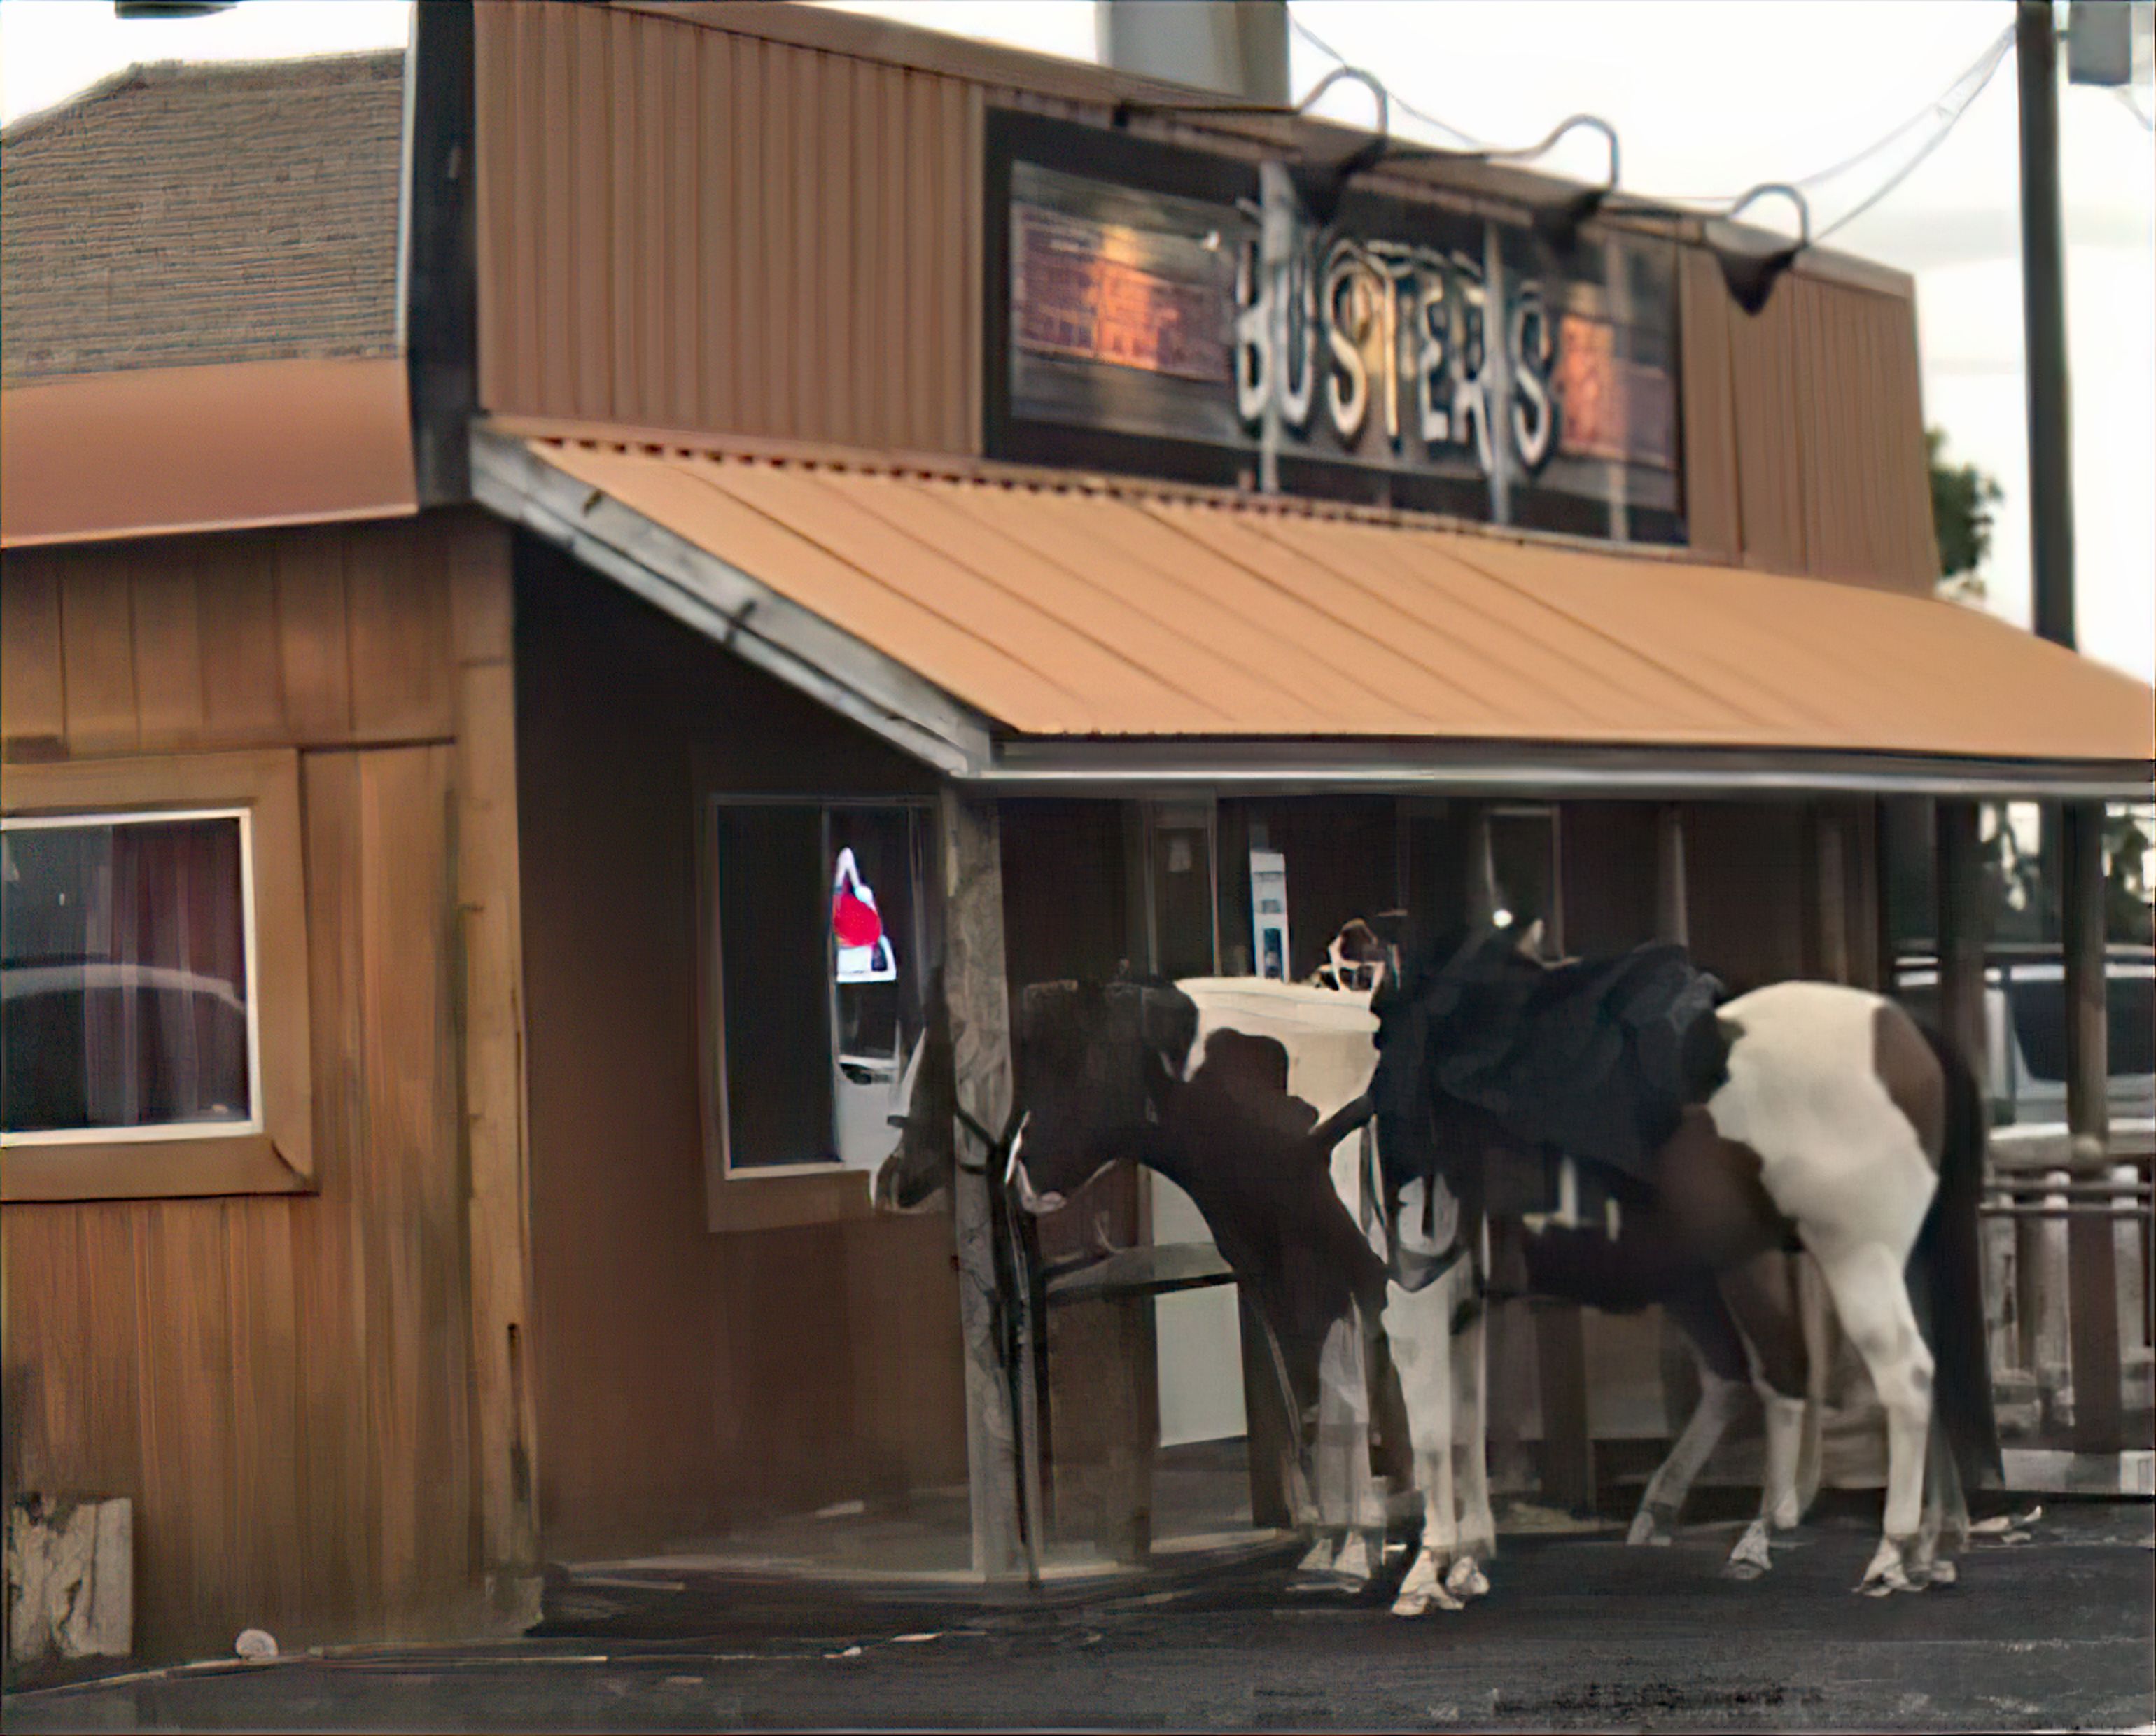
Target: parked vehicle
[2025, 1024]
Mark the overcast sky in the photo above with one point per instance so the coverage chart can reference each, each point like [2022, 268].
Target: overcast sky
[1707, 99]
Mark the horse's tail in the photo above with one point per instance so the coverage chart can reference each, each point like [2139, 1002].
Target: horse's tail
[1949, 1259]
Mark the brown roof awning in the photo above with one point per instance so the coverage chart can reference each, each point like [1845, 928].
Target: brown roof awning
[1063, 630]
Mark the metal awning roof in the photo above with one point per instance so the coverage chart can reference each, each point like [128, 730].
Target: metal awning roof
[1025, 632]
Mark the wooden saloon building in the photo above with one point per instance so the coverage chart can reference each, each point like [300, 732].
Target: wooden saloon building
[549, 579]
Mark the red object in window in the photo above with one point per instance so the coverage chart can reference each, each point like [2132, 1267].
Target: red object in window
[853, 921]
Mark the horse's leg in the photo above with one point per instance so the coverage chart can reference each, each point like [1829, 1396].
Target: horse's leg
[1346, 1494]
[1417, 1326]
[1758, 1293]
[1866, 1281]
[1340, 1362]
[1944, 1531]
[1477, 1539]
[1816, 1314]
[1700, 1312]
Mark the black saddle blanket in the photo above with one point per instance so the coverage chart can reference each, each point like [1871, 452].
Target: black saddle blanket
[1595, 1058]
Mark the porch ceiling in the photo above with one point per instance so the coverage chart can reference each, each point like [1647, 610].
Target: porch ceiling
[1042, 629]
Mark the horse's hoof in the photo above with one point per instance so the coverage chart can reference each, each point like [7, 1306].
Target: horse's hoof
[1945, 1573]
[1465, 1580]
[1353, 1561]
[1424, 1590]
[1889, 1573]
[1751, 1556]
[1654, 1524]
[1319, 1560]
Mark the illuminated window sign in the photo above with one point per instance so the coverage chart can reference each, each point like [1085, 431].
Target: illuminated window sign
[1397, 352]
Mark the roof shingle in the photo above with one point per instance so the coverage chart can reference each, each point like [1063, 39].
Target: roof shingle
[182, 214]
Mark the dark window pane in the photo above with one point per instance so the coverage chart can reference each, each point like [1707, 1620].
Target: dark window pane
[1183, 899]
[775, 961]
[124, 972]
[2040, 1022]
[1523, 862]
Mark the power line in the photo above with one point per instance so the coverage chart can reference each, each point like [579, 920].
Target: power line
[1947, 108]
[1996, 58]
[1980, 68]
[1326, 49]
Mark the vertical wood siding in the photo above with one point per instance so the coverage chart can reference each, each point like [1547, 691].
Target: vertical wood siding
[280, 1383]
[335, 636]
[685, 1380]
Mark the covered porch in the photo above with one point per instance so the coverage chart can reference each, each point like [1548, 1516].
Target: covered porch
[1106, 709]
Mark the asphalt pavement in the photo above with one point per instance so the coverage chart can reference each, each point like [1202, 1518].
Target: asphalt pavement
[1579, 1632]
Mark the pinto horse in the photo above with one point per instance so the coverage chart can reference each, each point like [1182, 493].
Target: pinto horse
[1835, 1123]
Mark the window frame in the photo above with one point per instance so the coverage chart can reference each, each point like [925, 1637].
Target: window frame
[274, 1152]
[774, 1196]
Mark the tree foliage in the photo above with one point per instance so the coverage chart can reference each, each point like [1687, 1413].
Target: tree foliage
[1963, 498]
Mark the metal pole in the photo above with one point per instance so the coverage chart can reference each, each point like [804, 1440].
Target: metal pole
[2043, 324]
[2091, 1258]
[1961, 937]
[2073, 859]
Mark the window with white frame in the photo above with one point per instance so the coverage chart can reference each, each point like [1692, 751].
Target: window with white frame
[814, 913]
[127, 977]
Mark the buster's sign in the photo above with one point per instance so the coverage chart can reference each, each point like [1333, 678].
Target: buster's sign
[1156, 309]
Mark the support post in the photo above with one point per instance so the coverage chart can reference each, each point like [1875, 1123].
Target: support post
[2091, 1250]
[1672, 917]
[1831, 883]
[1480, 878]
[494, 1132]
[974, 980]
[1961, 937]
[1567, 1440]
[1673, 923]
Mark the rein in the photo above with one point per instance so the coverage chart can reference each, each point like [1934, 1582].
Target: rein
[999, 1150]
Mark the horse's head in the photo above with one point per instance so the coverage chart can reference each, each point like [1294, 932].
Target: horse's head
[1095, 1061]
[921, 1165]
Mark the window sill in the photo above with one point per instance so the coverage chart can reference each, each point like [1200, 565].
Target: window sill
[751, 1202]
[148, 1170]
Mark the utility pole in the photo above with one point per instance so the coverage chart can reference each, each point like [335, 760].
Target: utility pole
[2043, 324]
[2073, 848]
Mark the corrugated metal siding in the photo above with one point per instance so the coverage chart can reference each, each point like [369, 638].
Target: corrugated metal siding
[687, 227]
[691, 226]
[1704, 312]
[1060, 610]
[1804, 432]
[1764, 370]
